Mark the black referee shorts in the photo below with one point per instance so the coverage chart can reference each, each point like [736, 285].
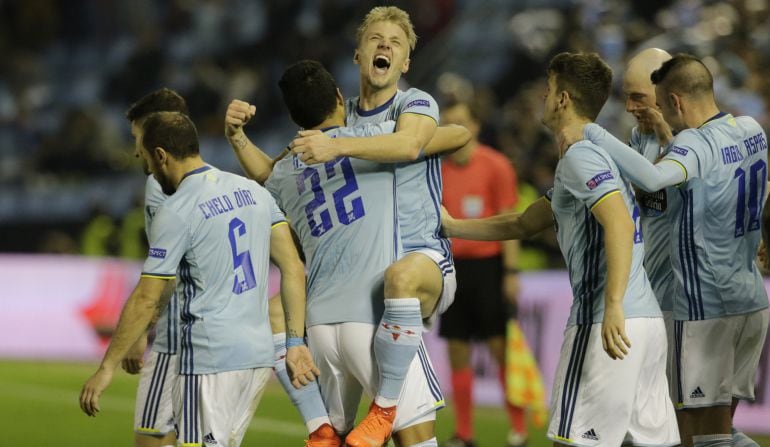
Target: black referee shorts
[479, 309]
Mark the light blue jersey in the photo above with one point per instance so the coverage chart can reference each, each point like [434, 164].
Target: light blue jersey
[344, 212]
[167, 328]
[716, 234]
[213, 235]
[656, 211]
[585, 176]
[419, 183]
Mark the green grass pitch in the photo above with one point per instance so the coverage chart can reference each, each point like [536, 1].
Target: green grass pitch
[40, 408]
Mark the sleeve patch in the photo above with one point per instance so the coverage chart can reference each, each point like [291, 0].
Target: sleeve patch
[679, 150]
[598, 179]
[418, 103]
[159, 253]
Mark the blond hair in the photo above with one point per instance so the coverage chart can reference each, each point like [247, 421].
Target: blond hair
[389, 14]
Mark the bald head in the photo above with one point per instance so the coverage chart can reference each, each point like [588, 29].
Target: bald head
[641, 66]
[637, 86]
[685, 75]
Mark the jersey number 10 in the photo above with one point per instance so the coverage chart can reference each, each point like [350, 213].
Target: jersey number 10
[757, 182]
[318, 216]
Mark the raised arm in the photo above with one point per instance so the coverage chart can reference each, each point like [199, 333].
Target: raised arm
[536, 218]
[284, 255]
[138, 312]
[649, 177]
[614, 218]
[255, 163]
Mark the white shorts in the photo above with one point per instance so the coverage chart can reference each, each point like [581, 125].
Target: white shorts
[214, 410]
[668, 320]
[154, 409]
[344, 354]
[717, 359]
[600, 401]
[450, 284]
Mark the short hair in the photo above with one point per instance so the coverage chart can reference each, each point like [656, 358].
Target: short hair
[309, 92]
[172, 131]
[389, 14]
[587, 79]
[684, 74]
[163, 100]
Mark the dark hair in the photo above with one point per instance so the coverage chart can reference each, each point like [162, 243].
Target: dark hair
[684, 74]
[172, 131]
[587, 79]
[309, 92]
[163, 100]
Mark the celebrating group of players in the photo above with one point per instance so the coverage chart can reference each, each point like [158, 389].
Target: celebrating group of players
[361, 188]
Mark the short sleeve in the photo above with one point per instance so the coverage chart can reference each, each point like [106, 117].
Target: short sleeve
[153, 197]
[419, 102]
[587, 175]
[169, 241]
[691, 153]
[276, 215]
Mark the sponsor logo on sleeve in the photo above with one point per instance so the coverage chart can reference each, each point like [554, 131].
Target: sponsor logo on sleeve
[159, 253]
[598, 179]
[418, 103]
[679, 150]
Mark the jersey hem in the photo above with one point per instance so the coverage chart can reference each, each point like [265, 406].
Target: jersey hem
[745, 312]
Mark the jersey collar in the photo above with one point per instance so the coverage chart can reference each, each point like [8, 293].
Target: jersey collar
[196, 171]
[376, 110]
[713, 118]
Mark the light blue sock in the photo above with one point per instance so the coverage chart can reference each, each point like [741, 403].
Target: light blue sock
[395, 345]
[722, 440]
[741, 440]
[306, 399]
[429, 443]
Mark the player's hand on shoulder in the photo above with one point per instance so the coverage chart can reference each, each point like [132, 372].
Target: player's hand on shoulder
[237, 115]
[93, 389]
[568, 136]
[299, 363]
[614, 340]
[314, 146]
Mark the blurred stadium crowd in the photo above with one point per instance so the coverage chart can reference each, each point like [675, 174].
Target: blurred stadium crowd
[70, 68]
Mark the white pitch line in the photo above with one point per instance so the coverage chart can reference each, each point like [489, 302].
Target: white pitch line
[69, 398]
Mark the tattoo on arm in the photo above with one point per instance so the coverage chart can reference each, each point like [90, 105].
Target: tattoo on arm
[291, 333]
[240, 141]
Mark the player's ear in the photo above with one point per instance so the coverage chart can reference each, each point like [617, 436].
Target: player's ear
[675, 101]
[405, 66]
[340, 98]
[160, 154]
[564, 99]
[356, 57]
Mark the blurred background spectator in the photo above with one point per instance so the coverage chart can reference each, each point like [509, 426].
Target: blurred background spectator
[70, 68]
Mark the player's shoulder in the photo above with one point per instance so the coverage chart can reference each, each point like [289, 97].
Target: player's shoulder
[414, 96]
[689, 139]
[584, 150]
[749, 124]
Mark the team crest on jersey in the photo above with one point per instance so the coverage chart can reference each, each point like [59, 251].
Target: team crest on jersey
[653, 204]
[418, 103]
[598, 179]
[159, 253]
[679, 150]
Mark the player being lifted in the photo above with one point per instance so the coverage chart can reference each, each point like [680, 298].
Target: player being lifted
[421, 284]
[720, 163]
[613, 302]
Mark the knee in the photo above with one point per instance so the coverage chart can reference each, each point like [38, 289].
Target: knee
[400, 281]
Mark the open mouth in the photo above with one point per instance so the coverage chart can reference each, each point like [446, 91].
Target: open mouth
[381, 64]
